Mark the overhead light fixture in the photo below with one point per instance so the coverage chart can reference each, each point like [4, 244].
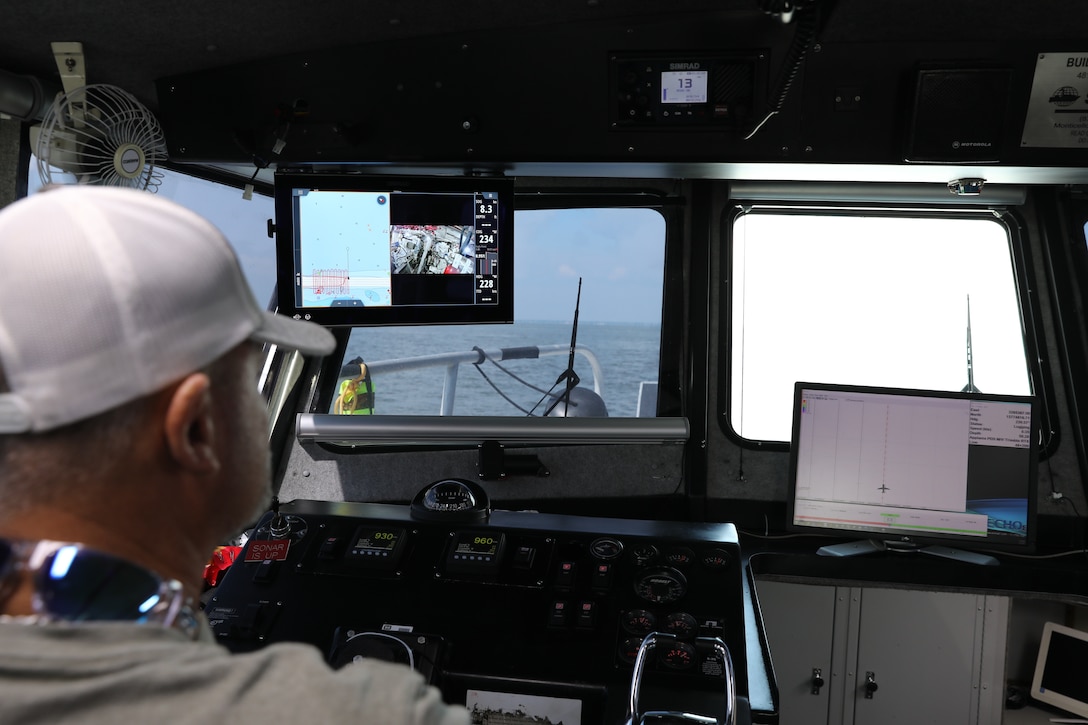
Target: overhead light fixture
[966, 187]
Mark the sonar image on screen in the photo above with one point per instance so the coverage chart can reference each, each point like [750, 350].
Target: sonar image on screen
[432, 249]
[345, 249]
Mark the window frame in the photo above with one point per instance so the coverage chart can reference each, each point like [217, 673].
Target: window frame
[1023, 275]
[1063, 220]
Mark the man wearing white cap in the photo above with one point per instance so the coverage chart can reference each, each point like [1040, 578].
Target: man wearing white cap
[132, 442]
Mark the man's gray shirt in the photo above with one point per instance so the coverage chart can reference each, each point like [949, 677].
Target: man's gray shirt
[129, 674]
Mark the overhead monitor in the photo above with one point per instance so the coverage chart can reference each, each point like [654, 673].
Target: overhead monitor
[911, 468]
[357, 250]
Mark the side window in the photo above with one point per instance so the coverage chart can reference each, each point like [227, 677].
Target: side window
[925, 302]
[243, 222]
[512, 370]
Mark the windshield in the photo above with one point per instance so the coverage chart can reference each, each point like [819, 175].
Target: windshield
[607, 263]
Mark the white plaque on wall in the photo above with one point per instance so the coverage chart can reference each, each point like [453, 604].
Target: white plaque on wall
[1058, 107]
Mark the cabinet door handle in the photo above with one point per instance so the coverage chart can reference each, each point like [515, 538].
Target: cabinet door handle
[817, 680]
[870, 685]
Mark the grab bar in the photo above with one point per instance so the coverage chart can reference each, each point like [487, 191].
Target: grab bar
[648, 644]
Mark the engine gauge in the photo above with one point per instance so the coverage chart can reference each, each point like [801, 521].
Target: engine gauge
[679, 556]
[661, 584]
[644, 554]
[716, 559]
[639, 621]
[681, 624]
[606, 548]
[629, 649]
[678, 656]
[377, 546]
[475, 551]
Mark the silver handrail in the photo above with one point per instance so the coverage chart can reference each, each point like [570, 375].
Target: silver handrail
[649, 642]
[458, 430]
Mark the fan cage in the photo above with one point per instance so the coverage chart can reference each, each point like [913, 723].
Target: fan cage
[101, 135]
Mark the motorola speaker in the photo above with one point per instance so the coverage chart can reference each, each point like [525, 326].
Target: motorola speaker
[959, 116]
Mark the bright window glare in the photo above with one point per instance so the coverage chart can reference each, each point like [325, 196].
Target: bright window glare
[867, 300]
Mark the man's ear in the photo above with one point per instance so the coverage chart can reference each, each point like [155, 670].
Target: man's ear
[189, 425]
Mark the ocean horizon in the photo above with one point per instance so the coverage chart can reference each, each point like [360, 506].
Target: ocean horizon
[628, 354]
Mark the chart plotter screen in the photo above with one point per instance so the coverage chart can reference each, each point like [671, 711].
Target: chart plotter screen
[357, 250]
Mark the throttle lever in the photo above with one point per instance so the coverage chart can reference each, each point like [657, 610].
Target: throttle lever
[648, 644]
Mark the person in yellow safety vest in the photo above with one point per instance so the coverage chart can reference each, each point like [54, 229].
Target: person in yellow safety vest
[356, 393]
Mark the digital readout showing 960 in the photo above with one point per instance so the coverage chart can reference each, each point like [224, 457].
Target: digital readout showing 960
[480, 545]
[476, 551]
[487, 247]
[684, 86]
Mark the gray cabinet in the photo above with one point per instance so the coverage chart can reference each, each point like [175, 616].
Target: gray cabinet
[885, 656]
[799, 621]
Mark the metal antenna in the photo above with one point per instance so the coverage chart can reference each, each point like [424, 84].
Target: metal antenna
[970, 387]
[569, 375]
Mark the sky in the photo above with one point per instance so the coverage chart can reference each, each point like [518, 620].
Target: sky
[618, 253]
[244, 223]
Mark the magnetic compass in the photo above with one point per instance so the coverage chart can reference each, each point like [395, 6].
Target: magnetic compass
[452, 499]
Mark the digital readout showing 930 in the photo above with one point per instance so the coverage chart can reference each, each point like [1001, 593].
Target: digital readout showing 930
[376, 539]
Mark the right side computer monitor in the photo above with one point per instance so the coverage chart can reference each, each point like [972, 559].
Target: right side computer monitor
[914, 468]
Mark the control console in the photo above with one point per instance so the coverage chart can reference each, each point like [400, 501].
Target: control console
[538, 608]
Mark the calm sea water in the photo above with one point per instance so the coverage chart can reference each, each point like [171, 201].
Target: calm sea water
[628, 354]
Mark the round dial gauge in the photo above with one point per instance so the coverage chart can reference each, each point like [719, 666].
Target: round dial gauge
[716, 559]
[678, 656]
[644, 554]
[606, 548]
[629, 649]
[681, 624]
[639, 621]
[680, 556]
[661, 584]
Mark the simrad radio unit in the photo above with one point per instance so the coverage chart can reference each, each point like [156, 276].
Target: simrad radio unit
[671, 91]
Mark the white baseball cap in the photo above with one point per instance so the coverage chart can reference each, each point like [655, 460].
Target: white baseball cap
[109, 294]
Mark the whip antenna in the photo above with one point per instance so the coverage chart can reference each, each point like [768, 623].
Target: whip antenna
[569, 375]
